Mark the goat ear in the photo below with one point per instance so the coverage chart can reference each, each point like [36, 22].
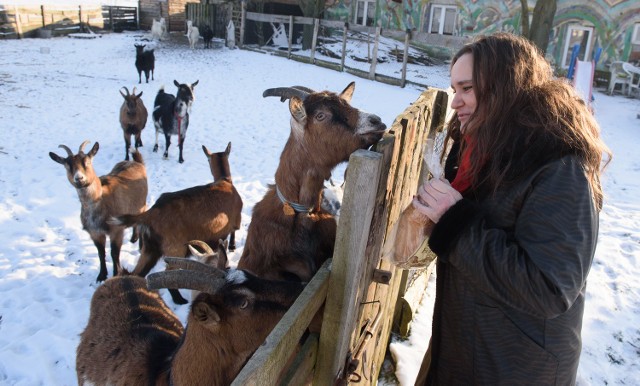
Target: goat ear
[176, 83]
[296, 107]
[194, 84]
[56, 158]
[94, 150]
[139, 95]
[347, 93]
[228, 149]
[203, 313]
[206, 151]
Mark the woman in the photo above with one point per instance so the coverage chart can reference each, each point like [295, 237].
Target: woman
[515, 231]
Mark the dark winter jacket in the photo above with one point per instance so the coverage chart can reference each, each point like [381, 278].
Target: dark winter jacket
[511, 279]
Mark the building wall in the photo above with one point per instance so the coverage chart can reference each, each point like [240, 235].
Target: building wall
[612, 20]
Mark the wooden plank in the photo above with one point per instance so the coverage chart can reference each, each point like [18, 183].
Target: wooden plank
[343, 54]
[266, 364]
[18, 22]
[340, 314]
[243, 22]
[301, 370]
[405, 56]
[374, 56]
[410, 299]
[333, 23]
[290, 39]
[314, 41]
[266, 18]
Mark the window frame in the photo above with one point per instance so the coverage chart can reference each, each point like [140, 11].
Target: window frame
[442, 12]
[566, 53]
[635, 36]
[365, 10]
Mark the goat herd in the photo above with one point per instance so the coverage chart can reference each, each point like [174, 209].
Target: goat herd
[132, 337]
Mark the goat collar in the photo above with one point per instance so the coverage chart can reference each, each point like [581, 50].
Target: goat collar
[297, 208]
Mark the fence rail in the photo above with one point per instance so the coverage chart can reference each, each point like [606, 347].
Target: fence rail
[17, 22]
[251, 21]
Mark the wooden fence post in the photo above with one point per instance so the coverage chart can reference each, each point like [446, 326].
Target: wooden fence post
[18, 22]
[316, 27]
[405, 58]
[344, 45]
[44, 24]
[374, 59]
[290, 36]
[342, 305]
[242, 21]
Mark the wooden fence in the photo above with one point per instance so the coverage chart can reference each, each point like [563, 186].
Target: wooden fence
[356, 291]
[372, 33]
[26, 21]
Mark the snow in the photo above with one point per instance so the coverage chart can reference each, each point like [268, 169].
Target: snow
[65, 90]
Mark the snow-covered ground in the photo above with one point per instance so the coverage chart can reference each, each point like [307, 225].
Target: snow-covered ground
[65, 91]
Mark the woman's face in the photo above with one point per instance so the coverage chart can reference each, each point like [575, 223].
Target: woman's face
[464, 99]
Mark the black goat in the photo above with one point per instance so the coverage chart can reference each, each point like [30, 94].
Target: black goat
[207, 35]
[145, 61]
[171, 115]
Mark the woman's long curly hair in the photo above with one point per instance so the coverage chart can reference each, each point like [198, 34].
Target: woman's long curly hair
[525, 117]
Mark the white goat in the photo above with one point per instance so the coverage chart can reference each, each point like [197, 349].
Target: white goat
[158, 29]
[193, 34]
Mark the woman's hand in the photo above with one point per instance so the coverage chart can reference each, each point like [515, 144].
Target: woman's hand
[435, 197]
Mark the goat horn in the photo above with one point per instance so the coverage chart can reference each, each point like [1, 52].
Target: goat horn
[205, 247]
[82, 145]
[125, 89]
[287, 92]
[69, 152]
[199, 281]
[193, 265]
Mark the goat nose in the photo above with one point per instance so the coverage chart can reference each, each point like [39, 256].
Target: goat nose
[375, 120]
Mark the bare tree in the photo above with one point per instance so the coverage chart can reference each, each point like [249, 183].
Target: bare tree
[541, 23]
[525, 17]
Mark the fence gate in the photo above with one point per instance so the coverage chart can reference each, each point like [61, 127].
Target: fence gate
[358, 290]
[216, 16]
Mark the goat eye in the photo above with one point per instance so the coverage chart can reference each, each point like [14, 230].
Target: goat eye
[245, 304]
[320, 116]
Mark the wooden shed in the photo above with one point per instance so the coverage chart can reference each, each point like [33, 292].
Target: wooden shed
[173, 12]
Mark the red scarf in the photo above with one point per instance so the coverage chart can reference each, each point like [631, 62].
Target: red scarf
[462, 181]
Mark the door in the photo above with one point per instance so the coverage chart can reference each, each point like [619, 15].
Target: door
[577, 35]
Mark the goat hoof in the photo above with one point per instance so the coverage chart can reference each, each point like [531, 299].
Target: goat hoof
[181, 160]
[155, 149]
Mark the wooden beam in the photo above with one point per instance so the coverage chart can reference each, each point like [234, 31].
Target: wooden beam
[266, 364]
[349, 260]
[374, 56]
[314, 42]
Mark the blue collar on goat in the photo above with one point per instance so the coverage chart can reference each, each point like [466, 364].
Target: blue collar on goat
[297, 208]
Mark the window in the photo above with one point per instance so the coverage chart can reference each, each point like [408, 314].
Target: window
[442, 20]
[580, 36]
[635, 38]
[365, 12]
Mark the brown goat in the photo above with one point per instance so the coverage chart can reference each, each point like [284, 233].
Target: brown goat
[130, 331]
[208, 212]
[133, 118]
[290, 234]
[122, 191]
[228, 321]
[130, 337]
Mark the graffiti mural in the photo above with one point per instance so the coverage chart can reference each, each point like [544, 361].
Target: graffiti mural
[612, 21]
